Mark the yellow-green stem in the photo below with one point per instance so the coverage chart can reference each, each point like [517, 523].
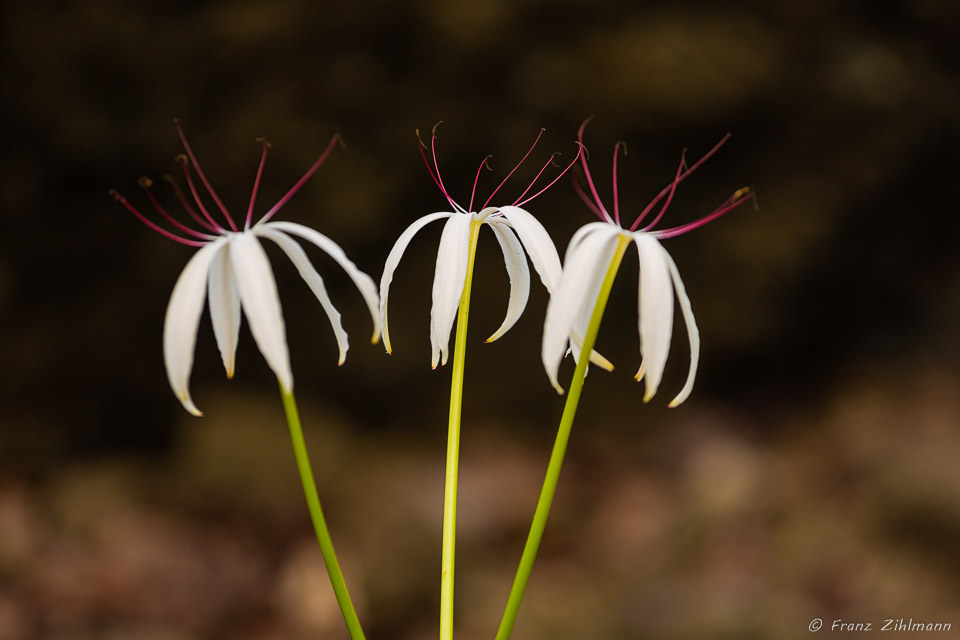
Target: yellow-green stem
[559, 449]
[448, 550]
[316, 515]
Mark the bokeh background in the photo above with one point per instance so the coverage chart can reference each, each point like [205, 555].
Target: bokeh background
[813, 473]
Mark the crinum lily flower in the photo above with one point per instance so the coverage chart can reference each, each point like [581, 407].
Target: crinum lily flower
[519, 234]
[587, 260]
[231, 271]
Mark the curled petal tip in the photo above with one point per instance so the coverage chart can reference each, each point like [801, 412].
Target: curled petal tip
[230, 373]
[648, 395]
[341, 361]
[375, 339]
[674, 403]
[189, 406]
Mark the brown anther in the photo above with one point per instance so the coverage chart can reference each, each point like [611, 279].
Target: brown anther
[621, 143]
[113, 193]
[145, 182]
[263, 140]
[181, 157]
[434, 131]
[739, 193]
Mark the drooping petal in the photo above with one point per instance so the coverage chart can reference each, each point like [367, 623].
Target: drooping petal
[655, 310]
[309, 274]
[261, 304]
[693, 334]
[363, 282]
[543, 254]
[183, 318]
[516, 263]
[224, 303]
[393, 259]
[448, 281]
[586, 262]
[583, 232]
[581, 321]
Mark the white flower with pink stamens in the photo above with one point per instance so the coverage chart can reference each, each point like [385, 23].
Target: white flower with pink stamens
[587, 260]
[519, 234]
[231, 270]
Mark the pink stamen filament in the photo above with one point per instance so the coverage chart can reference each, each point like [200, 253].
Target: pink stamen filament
[552, 182]
[421, 146]
[203, 178]
[663, 209]
[256, 183]
[145, 184]
[152, 225]
[196, 196]
[190, 210]
[586, 199]
[301, 181]
[475, 180]
[514, 169]
[586, 171]
[436, 166]
[616, 197]
[550, 161]
[726, 207]
[680, 179]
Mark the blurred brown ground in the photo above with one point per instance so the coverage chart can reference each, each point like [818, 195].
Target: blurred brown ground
[813, 473]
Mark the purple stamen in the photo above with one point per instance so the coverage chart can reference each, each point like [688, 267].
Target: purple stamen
[682, 177]
[728, 206]
[537, 177]
[145, 184]
[421, 146]
[552, 182]
[256, 182]
[475, 180]
[186, 205]
[586, 171]
[190, 243]
[586, 199]
[436, 166]
[203, 178]
[616, 197]
[182, 159]
[514, 169]
[301, 181]
[663, 209]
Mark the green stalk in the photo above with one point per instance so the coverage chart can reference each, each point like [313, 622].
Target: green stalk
[559, 449]
[453, 447]
[316, 514]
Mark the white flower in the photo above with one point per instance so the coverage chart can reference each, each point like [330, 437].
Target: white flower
[519, 234]
[587, 260]
[231, 271]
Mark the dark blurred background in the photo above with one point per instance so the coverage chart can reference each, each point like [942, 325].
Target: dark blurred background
[813, 472]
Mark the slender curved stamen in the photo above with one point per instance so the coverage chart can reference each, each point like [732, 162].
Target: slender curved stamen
[475, 180]
[586, 172]
[436, 166]
[616, 197]
[552, 182]
[182, 159]
[189, 208]
[586, 199]
[421, 146]
[190, 243]
[663, 209]
[550, 161]
[514, 169]
[684, 175]
[301, 181]
[256, 182]
[203, 178]
[145, 184]
[738, 198]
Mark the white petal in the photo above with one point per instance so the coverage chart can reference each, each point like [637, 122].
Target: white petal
[448, 280]
[516, 263]
[183, 318]
[224, 308]
[693, 334]
[581, 320]
[656, 311]
[393, 259]
[591, 256]
[543, 254]
[583, 232]
[309, 274]
[363, 282]
[258, 294]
